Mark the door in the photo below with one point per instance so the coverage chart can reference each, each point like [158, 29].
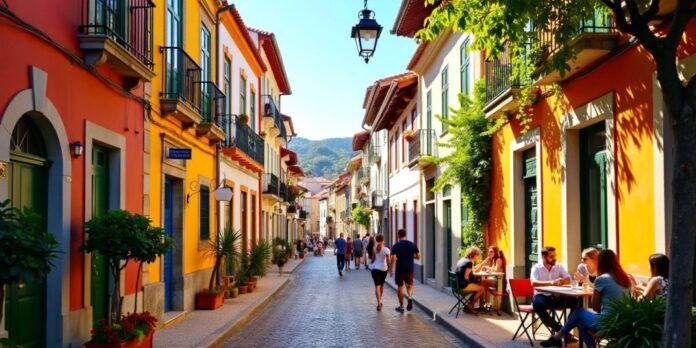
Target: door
[593, 186]
[169, 230]
[430, 242]
[447, 230]
[173, 39]
[99, 288]
[244, 217]
[28, 183]
[531, 213]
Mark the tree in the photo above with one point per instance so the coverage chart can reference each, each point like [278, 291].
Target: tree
[26, 250]
[361, 217]
[498, 25]
[120, 237]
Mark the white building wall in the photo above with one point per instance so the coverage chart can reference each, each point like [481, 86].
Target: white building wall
[240, 177]
[323, 213]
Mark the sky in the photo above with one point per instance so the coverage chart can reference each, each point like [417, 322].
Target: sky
[327, 77]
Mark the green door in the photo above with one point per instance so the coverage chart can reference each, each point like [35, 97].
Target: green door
[28, 184]
[531, 214]
[100, 205]
[593, 186]
[447, 229]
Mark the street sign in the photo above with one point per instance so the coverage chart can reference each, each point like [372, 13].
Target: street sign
[182, 154]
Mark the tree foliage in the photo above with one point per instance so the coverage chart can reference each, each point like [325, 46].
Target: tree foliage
[518, 26]
[26, 249]
[361, 217]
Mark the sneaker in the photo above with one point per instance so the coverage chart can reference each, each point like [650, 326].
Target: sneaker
[340, 273]
[379, 307]
[409, 306]
[399, 309]
[552, 342]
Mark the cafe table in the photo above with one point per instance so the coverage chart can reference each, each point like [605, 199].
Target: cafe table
[499, 276]
[566, 291]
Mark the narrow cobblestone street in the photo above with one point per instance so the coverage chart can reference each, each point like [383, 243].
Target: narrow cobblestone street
[319, 309]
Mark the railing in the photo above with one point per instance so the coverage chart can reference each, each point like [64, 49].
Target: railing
[271, 110]
[270, 183]
[345, 215]
[181, 77]
[244, 138]
[303, 214]
[423, 144]
[499, 76]
[600, 22]
[128, 23]
[283, 191]
[378, 198]
[365, 173]
[292, 209]
[375, 153]
[212, 103]
[329, 219]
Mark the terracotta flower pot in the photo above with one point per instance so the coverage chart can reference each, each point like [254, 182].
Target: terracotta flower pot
[209, 301]
[142, 342]
[242, 289]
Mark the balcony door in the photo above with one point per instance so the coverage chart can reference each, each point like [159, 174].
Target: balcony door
[593, 186]
[110, 15]
[173, 39]
[206, 72]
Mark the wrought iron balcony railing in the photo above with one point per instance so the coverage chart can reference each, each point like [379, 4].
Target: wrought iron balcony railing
[424, 143]
[270, 184]
[126, 22]
[499, 76]
[182, 76]
[212, 103]
[241, 136]
[378, 198]
[271, 110]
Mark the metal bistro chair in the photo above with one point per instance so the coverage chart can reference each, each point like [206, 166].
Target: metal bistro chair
[523, 288]
[463, 297]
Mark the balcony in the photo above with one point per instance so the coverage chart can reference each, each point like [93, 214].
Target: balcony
[272, 117]
[119, 34]
[501, 89]
[303, 215]
[365, 175]
[378, 199]
[345, 216]
[241, 137]
[292, 209]
[284, 192]
[181, 90]
[212, 105]
[329, 220]
[375, 154]
[594, 38]
[270, 185]
[424, 144]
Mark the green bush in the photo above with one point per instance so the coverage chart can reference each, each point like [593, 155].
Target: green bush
[361, 217]
[630, 323]
[258, 259]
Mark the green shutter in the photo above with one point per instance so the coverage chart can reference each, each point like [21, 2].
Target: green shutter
[445, 98]
[204, 213]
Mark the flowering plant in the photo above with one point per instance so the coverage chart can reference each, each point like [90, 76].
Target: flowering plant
[409, 135]
[130, 327]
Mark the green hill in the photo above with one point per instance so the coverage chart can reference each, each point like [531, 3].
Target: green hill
[326, 157]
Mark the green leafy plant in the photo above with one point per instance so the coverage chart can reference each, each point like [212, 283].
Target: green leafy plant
[629, 322]
[470, 161]
[120, 237]
[242, 275]
[26, 249]
[127, 328]
[224, 247]
[284, 245]
[361, 217]
[258, 259]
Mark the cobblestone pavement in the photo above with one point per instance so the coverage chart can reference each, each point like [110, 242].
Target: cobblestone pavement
[319, 309]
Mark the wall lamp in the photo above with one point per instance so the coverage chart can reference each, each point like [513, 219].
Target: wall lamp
[222, 193]
[76, 148]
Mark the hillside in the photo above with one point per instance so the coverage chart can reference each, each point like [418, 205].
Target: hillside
[326, 157]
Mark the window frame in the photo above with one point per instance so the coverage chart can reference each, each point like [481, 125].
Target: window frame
[203, 215]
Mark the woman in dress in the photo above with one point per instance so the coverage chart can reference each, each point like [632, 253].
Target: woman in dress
[658, 284]
[381, 259]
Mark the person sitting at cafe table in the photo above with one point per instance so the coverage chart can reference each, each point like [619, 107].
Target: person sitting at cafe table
[494, 262]
[465, 276]
[587, 269]
[658, 284]
[611, 284]
[549, 273]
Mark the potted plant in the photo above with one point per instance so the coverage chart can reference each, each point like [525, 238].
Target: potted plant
[224, 246]
[279, 259]
[409, 135]
[242, 279]
[258, 261]
[135, 330]
[244, 118]
[121, 237]
[234, 292]
[27, 251]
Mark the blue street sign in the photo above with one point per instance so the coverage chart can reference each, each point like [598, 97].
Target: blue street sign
[183, 154]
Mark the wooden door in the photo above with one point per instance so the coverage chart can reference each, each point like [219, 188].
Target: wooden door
[99, 287]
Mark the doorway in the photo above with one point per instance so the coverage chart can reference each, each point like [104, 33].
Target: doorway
[99, 286]
[531, 224]
[172, 216]
[447, 231]
[593, 186]
[28, 186]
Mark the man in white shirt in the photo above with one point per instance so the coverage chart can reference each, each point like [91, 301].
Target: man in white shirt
[365, 242]
[547, 273]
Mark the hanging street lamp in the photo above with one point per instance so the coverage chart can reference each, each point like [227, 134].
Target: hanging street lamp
[366, 33]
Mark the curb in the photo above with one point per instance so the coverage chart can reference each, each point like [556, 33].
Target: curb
[250, 314]
[445, 322]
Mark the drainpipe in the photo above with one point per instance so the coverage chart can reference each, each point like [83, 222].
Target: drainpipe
[222, 9]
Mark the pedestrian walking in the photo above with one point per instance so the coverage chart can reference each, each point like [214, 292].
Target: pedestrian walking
[349, 253]
[340, 252]
[357, 251]
[404, 252]
[380, 265]
[371, 248]
[365, 242]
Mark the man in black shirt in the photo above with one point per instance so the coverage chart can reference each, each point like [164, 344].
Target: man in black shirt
[403, 253]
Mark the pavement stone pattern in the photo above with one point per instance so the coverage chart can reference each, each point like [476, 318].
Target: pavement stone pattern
[318, 308]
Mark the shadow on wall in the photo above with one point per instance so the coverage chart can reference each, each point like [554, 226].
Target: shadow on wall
[497, 228]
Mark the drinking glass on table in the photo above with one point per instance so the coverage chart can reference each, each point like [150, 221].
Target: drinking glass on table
[574, 284]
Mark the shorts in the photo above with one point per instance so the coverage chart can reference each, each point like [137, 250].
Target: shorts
[358, 254]
[379, 277]
[404, 277]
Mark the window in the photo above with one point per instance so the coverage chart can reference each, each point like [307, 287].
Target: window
[429, 110]
[413, 118]
[253, 219]
[206, 73]
[403, 142]
[252, 106]
[228, 84]
[445, 99]
[204, 213]
[242, 95]
[403, 217]
[464, 63]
